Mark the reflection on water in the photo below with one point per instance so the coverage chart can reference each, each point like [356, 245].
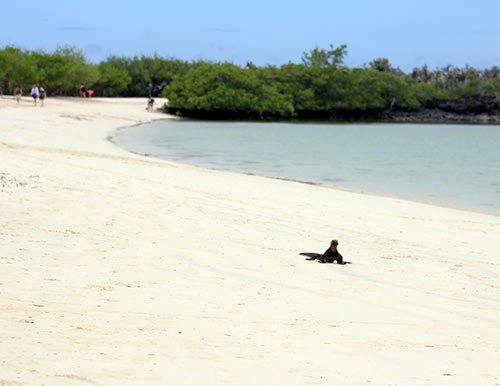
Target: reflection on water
[456, 165]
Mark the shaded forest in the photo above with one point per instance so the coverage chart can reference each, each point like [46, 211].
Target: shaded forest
[320, 87]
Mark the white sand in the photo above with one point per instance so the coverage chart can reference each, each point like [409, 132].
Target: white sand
[118, 269]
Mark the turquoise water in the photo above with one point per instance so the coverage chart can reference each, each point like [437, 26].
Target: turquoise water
[450, 165]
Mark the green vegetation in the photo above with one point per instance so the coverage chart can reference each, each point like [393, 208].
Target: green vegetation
[320, 87]
[64, 70]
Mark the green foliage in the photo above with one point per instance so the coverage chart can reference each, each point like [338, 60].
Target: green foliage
[289, 91]
[425, 93]
[324, 58]
[113, 78]
[63, 71]
[492, 89]
[225, 89]
[60, 72]
[383, 65]
[16, 68]
[149, 75]
[320, 87]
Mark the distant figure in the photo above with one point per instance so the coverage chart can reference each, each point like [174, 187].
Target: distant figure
[331, 255]
[34, 92]
[42, 96]
[90, 93]
[82, 91]
[150, 105]
[18, 93]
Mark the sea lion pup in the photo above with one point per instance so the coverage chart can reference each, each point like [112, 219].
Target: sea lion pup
[330, 255]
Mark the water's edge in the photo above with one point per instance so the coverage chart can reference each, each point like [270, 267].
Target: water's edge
[114, 138]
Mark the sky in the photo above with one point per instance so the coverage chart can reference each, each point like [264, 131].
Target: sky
[408, 33]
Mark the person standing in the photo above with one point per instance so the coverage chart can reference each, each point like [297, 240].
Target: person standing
[18, 93]
[34, 92]
[150, 105]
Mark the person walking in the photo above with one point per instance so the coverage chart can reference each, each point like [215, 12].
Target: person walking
[42, 96]
[34, 92]
[18, 93]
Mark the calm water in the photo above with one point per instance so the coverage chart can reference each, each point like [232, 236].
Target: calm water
[452, 165]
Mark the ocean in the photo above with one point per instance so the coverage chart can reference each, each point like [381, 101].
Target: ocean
[444, 164]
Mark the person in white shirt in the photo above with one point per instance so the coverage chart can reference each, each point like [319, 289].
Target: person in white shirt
[34, 92]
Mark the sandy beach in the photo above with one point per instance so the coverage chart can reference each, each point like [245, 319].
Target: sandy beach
[119, 269]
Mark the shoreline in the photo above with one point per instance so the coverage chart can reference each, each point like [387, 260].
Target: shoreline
[425, 115]
[444, 117]
[439, 203]
[119, 269]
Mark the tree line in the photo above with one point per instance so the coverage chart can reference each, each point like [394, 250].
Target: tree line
[63, 71]
[318, 87]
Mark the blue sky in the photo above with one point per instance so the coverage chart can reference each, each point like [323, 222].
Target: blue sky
[408, 33]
